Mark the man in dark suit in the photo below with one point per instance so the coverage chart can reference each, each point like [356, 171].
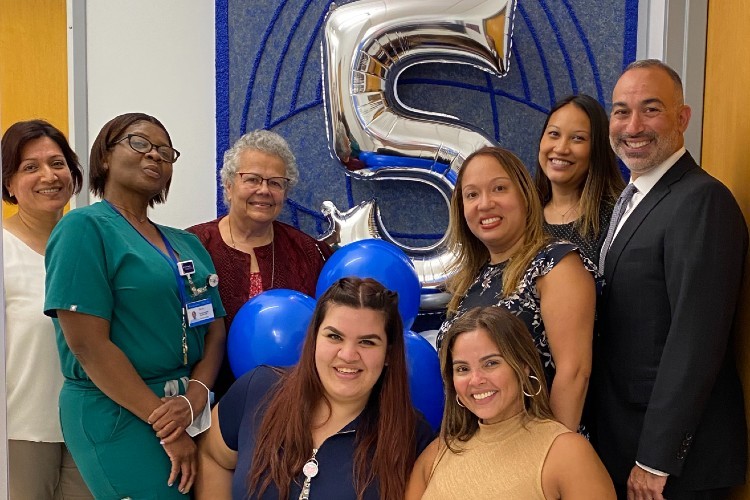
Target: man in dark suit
[668, 402]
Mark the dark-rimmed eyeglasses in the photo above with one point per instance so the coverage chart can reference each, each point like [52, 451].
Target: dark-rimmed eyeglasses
[275, 184]
[140, 144]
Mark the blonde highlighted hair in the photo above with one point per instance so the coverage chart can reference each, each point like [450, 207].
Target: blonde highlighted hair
[471, 253]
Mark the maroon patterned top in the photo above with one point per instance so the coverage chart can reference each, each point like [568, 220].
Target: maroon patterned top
[298, 261]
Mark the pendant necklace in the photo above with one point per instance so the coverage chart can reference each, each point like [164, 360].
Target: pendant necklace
[563, 215]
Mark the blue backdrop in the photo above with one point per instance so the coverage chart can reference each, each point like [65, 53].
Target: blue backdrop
[268, 75]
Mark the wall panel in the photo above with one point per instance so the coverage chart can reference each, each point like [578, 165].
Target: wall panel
[33, 64]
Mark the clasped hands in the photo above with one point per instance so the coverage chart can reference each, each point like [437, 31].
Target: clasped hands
[169, 421]
[171, 418]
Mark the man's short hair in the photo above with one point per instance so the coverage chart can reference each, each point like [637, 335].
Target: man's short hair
[655, 63]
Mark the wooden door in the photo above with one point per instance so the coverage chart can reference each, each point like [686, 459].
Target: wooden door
[33, 64]
[726, 139]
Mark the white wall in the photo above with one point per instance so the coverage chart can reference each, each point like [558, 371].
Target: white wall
[158, 57]
[151, 56]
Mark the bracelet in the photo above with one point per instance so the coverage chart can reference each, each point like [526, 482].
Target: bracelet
[189, 405]
[201, 383]
[208, 391]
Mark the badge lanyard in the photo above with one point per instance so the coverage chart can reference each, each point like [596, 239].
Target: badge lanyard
[172, 261]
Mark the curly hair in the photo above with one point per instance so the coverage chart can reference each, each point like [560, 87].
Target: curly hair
[266, 142]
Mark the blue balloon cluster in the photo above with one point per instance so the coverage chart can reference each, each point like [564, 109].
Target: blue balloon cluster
[381, 261]
[270, 328]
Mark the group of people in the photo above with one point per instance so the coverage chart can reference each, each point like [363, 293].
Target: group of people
[581, 308]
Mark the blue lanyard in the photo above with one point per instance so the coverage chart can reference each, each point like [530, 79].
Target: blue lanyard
[171, 259]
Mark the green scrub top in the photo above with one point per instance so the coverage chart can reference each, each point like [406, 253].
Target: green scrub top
[98, 264]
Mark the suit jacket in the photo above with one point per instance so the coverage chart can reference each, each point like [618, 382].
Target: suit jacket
[665, 387]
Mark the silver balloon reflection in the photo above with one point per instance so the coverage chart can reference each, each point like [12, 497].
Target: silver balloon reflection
[366, 46]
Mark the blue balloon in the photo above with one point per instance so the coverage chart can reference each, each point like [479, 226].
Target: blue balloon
[269, 330]
[381, 261]
[425, 382]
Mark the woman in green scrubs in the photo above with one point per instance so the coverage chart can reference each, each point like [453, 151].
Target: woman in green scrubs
[138, 322]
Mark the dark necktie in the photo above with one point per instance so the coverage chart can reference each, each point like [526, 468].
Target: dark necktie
[617, 213]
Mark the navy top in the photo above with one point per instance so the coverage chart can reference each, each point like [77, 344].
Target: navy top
[241, 412]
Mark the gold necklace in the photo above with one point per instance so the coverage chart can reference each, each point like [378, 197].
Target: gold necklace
[273, 251]
[563, 215]
[37, 240]
[20, 217]
[141, 221]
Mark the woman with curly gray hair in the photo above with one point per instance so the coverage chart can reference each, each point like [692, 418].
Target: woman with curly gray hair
[252, 251]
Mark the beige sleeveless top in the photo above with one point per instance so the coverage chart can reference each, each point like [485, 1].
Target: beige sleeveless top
[501, 461]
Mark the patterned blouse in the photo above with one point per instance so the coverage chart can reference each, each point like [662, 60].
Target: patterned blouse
[524, 302]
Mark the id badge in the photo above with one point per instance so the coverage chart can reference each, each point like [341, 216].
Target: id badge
[200, 312]
[186, 267]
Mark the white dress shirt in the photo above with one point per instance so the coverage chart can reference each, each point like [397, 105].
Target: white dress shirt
[645, 183]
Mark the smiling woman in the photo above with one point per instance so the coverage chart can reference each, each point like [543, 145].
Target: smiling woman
[339, 424]
[577, 175]
[506, 260]
[350, 353]
[252, 251]
[40, 173]
[498, 424]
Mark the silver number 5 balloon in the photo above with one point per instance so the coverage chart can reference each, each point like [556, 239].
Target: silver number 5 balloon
[366, 46]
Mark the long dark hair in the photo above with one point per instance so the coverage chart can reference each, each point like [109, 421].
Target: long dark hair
[385, 442]
[603, 182]
[18, 135]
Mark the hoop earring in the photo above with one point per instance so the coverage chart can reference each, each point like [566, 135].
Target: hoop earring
[533, 377]
[458, 401]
